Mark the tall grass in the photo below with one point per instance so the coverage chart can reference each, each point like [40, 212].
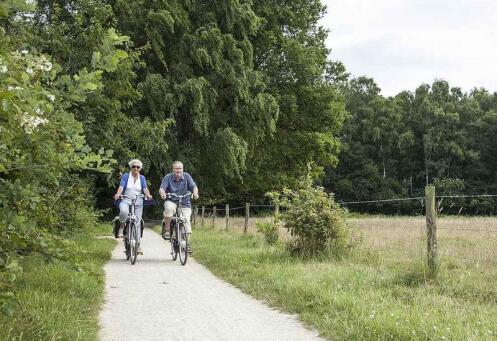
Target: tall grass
[380, 289]
[56, 301]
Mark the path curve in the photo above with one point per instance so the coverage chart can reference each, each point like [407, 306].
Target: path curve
[158, 299]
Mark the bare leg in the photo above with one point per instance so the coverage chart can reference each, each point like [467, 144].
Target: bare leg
[165, 226]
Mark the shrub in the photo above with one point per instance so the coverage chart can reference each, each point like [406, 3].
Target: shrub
[313, 218]
[269, 230]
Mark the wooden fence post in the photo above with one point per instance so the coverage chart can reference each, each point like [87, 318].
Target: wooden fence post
[214, 217]
[247, 216]
[227, 216]
[431, 227]
[195, 213]
[203, 215]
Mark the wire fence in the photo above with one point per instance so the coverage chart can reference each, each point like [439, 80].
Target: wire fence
[418, 201]
[472, 204]
[458, 237]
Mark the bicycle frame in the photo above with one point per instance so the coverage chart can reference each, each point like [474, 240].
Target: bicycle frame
[179, 220]
[131, 214]
[131, 244]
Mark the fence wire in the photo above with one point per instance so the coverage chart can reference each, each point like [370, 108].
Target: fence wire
[256, 210]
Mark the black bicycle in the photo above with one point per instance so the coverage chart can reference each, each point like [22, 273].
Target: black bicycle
[178, 234]
[131, 243]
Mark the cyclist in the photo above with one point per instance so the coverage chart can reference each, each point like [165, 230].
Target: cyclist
[177, 182]
[132, 183]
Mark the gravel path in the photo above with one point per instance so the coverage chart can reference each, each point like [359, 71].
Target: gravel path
[158, 299]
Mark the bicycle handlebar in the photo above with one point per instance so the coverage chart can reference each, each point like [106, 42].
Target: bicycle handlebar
[139, 196]
[180, 197]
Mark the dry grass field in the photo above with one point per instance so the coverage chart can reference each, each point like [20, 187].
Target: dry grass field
[381, 289]
[466, 240]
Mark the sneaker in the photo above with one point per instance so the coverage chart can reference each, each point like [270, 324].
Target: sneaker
[140, 252]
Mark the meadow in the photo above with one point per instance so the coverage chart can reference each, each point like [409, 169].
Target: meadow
[379, 288]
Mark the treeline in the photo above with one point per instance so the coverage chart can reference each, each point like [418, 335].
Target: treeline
[392, 147]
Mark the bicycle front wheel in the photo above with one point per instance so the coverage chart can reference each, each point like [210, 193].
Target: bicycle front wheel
[133, 243]
[174, 242]
[183, 244]
[126, 242]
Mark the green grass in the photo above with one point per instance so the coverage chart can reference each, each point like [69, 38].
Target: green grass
[157, 228]
[379, 291]
[58, 302]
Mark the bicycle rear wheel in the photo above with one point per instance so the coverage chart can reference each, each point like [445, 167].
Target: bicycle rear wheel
[133, 243]
[183, 244]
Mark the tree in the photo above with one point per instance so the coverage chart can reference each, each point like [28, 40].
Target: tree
[370, 145]
[199, 73]
[289, 49]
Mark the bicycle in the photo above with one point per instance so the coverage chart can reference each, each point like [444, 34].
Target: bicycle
[131, 243]
[178, 235]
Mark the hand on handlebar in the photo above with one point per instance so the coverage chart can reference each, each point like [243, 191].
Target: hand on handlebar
[174, 195]
[124, 196]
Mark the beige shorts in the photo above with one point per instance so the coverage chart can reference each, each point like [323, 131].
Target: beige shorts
[170, 210]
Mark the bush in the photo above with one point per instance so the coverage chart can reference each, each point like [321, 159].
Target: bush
[269, 230]
[43, 152]
[313, 218]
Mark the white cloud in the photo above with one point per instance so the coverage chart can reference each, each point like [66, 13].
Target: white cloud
[402, 44]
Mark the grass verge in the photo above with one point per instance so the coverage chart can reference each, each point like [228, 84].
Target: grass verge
[371, 294]
[56, 301]
[157, 228]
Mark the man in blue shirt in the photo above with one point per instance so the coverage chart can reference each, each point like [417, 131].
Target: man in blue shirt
[177, 182]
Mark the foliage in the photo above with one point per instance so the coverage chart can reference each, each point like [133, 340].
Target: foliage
[269, 230]
[289, 49]
[43, 149]
[237, 90]
[198, 73]
[82, 34]
[312, 217]
[393, 147]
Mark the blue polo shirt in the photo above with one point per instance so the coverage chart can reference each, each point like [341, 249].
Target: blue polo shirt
[170, 185]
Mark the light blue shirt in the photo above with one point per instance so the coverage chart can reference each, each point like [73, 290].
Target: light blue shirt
[170, 185]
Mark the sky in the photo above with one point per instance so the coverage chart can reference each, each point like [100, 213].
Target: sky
[404, 43]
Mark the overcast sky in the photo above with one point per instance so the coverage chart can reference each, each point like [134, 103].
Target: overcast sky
[403, 43]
